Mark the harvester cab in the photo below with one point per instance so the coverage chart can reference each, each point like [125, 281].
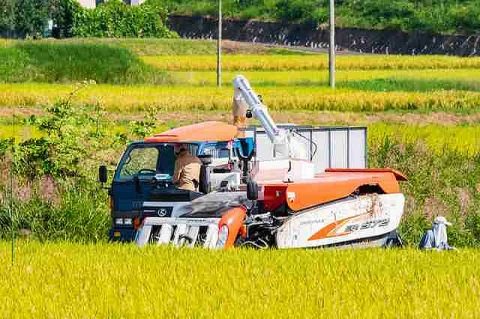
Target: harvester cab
[142, 184]
[279, 186]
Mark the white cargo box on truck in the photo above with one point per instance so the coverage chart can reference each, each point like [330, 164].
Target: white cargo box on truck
[329, 147]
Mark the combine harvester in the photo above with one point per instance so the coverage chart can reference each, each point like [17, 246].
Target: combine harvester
[253, 191]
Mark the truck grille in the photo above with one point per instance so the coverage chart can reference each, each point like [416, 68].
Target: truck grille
[189, 232]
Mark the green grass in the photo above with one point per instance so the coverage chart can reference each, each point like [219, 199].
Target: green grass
[165, 47]
[122, 281]
[72, 62]
[150, 46]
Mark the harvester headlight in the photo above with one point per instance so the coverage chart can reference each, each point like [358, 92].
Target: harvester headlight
[127, 221]
[222, 236]
[119, 221]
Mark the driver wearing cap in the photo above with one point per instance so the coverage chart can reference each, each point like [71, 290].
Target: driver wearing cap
[187, 169]
[436, 237]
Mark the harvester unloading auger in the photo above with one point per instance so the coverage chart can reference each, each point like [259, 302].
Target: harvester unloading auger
[241, 200]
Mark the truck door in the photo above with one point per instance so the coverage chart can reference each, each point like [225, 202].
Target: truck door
[132, 184]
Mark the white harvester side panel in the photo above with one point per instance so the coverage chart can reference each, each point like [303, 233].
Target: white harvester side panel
[345, 221]
[331, 147]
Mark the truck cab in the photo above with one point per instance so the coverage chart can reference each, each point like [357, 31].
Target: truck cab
[142, 184]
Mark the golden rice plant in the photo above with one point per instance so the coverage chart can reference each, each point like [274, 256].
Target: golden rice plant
[320, 77]
[437, 137]
[164, 98]
[64, 280]
[308, 62]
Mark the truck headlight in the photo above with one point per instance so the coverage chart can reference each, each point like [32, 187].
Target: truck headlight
[222, 236]
[127, 221]
[119, 221]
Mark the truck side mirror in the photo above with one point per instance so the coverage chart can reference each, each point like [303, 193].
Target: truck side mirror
[102, 174]
[252, 190]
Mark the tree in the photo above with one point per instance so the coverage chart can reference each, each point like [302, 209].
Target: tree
[31, 17]
[7, 15]
[63, 12]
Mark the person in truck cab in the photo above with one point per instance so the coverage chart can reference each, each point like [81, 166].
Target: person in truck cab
[187, 169]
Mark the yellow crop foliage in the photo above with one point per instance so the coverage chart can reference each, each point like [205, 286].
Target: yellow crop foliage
[20, 132]
[135, 98]
[320, 77]
[65, 280]
[308, 62]
[437, 137]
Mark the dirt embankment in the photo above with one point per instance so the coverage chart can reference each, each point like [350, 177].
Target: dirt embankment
[352, 39]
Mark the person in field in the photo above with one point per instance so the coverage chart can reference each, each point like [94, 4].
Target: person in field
[239, 110]
[187, 169]
[436, 237]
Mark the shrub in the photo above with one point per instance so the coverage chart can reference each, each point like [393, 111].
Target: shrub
[443, 184]
[115, 19]
[31, 17]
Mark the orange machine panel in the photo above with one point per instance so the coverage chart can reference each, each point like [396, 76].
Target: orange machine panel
[337, 184]
[202, 132]
[397, 174]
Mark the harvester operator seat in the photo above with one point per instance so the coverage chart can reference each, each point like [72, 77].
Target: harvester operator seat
[204, 180]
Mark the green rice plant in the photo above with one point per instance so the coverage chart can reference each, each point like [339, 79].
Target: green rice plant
[376, 80]
[107, 280]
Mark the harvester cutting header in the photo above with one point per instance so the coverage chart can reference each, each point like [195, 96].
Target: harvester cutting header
[288, 199]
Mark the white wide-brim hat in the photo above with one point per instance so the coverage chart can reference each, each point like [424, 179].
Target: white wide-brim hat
[442, 220]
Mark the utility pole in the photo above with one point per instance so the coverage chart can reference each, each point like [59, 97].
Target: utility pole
[331, 51]
[219, 45]
[10, 193]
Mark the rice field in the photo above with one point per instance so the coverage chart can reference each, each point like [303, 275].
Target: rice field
[308, 62]
[134, 98]
[428, 106]
[465, 79]
[62, 280]
[463, 139]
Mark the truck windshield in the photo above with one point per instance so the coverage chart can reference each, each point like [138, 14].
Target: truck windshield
[146, 161]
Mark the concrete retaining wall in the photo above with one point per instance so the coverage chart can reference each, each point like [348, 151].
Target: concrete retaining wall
[360, 40]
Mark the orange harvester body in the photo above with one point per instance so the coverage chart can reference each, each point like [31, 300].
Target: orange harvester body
[332, 185]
